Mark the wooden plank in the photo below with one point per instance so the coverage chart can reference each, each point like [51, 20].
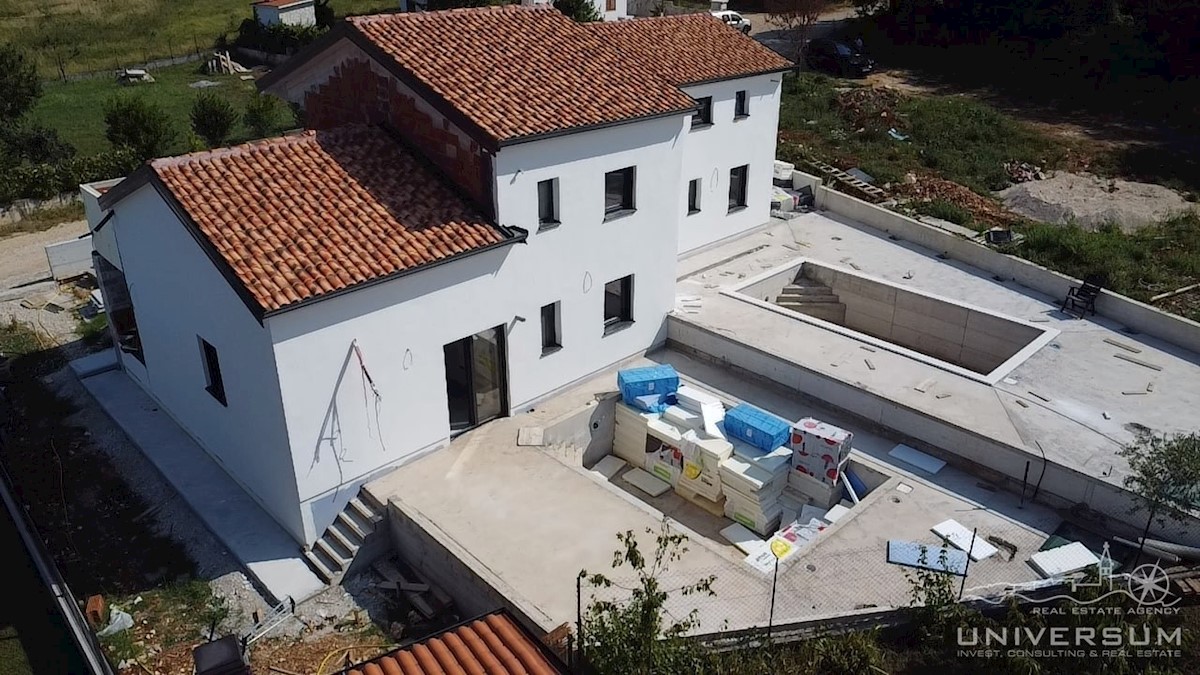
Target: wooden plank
[1122, 345]
[1140, 362]
[869, 364]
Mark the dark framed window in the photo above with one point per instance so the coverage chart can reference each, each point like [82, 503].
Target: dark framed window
[547, 203]
[550, 329]
[618, 303]
[610, 6]
[618, 191]
[212, 371]
[703, 116]
[737, 186]
[741, 105]
[693, 196]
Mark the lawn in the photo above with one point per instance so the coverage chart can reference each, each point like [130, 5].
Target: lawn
[76, 109]
[92, 35]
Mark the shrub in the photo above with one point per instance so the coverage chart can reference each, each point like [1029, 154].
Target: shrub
[33, 143]
[19, 83]
[276, 39]
[582, 11]
[140, 126]
[42, 181]
[212, 118]
[262, 114]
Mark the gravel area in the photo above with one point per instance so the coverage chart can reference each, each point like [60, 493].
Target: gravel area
[1092, 201]
[24, 255]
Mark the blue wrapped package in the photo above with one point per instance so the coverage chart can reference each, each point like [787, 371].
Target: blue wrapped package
[656, 381]
[757, 427]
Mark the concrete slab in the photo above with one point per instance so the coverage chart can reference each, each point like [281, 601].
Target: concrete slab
[94, 363]
[269, 555]
[528, 520]
[1075, 370]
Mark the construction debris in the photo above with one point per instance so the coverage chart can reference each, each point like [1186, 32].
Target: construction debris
[1039, 396]
[924, 188]
[1122, 345]
[1144, 364]
[1134, 393]
[221, 64]
[1023, 172]
[869, 364]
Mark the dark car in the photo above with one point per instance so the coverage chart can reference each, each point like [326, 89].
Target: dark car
[837, 58]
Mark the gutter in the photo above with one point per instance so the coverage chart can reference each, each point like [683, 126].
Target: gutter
[593, 127]
[516, 235]
[80, 633]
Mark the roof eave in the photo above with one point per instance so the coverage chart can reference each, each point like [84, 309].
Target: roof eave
[513, 235]
[740, 76]
[518, 140]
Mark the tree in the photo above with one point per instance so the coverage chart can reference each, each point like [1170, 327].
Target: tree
[19, 84]
[631, 636]
[142, 127]
[59, 37]
[582, 11]
[795, 18]
[1164, 472]
[212, 118]
[262, 114]
[33, 143]
[325, 15]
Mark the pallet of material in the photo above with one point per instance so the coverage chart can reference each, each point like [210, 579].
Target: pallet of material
[393, 576]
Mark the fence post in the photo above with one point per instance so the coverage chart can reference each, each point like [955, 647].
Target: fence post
[970, 549]
[771, 615]
[578, 655]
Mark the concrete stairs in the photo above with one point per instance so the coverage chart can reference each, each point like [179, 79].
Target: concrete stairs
[331, 554]
[813, 298]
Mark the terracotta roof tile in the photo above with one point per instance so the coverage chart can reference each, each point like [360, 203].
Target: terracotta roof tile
[494, 645]
[689, 48]
[520, 71]
[300, 216]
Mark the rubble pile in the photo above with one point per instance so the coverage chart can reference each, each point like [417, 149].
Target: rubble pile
[930, 188]
[1023, 172]
[871, 108]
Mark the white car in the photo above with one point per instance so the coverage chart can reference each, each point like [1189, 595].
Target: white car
[734, 19]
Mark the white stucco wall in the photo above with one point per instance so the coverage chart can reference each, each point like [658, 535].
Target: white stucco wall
[178, 296]
[710, 152]
[296, 15]
[337, 434]
[621, 11]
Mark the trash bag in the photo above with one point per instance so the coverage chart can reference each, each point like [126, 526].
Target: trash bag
[117, 622]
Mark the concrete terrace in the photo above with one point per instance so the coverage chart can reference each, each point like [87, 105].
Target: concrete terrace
[1065, 399]
[526, 520]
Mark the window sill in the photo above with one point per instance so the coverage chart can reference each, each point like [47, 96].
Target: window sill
[615, 215]
[697, 126]
[737, 118]
[617, 327]
[735, 209]
[693, 212]
[548, 225]
[547, 351]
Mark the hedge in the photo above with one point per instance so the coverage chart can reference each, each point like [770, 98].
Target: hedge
[43, 181]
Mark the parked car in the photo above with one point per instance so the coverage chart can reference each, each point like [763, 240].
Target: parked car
[837, 58]
[735, 20]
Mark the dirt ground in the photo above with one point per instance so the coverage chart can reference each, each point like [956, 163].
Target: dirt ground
[23, 256]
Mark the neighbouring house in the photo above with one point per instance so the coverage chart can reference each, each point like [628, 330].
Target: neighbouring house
[609, 10]
[285, 12]
[487, 206]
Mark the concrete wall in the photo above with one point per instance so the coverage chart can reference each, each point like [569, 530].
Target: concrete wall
[591, 428]
[70, 258]
[710, 152]
[105, 241]
[950, 332]
[1062, 487]
[1137, 315]
[473, 587]
[339, 433]
[179, 298]
[298, 15]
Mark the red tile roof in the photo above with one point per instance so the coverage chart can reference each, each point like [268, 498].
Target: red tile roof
[301, 216]
[520, 71]
[277, 3]
[494, 645]
[689, 48]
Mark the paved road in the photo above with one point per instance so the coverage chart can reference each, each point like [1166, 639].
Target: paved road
[763, 31]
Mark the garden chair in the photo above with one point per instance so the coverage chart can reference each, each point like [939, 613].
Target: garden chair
[1081, 300]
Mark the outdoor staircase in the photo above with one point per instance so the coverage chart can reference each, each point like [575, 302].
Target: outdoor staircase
[331, 554]
[813, 298]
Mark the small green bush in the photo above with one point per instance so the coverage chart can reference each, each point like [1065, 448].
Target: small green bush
[262, 115]
[212, 118]
[940, 208]
[141, 126]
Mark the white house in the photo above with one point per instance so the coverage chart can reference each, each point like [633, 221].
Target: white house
[487, 207]
[286, 12]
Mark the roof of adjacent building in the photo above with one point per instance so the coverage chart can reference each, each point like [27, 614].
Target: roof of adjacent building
[494, 644]
[689, 48]
[303, 216]
[280, 3]
[519, 71]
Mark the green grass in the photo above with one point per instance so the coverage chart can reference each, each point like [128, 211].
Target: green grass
[18, 338]
[1152, 260]
[112, 34]
[93, 330]
[940, 208]
[76, 109]
[12, 654]
[959, 138]
[43, 219]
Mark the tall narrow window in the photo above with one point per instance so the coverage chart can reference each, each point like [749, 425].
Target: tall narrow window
[212, 372]
[618, 191]
[694, 196]
[703, 116]
[741, 106]
[737, 187]
[547, 204]
[618, 303]
[610, 6]
[551, 341]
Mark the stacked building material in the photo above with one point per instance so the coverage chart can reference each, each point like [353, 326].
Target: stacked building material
[629, 434]
[648, 388]
[819, 455]
[757, 427]
[752, 493]
[708, 407]
[702, 459]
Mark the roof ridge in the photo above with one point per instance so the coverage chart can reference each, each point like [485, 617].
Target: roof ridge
[379, 17]
[229, 150]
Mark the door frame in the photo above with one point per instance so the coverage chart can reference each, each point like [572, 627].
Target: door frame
[501, 377]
